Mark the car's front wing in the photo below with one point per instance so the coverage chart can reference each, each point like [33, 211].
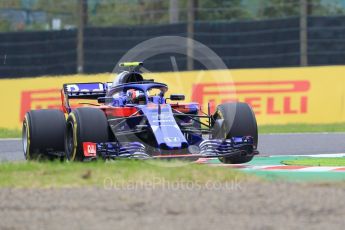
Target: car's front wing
[205, 149]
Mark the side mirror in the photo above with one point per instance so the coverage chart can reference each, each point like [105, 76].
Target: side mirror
[104, 99]
[177, 97]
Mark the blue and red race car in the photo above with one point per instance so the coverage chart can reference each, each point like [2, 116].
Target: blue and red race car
[134, 119]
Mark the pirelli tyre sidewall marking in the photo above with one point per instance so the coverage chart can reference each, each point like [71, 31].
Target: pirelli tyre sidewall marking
[75, 134]
[27, 131]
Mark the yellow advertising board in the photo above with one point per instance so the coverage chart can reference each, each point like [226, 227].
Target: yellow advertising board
[278, 96]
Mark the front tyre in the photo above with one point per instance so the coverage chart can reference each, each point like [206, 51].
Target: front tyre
[43, 134]
[235, 120]
[84, 125]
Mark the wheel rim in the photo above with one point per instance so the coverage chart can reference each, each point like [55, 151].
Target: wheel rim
[69, 141]
[25, 139]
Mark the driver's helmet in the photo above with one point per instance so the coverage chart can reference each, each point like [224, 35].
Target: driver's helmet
[135, 96]
[127, 77]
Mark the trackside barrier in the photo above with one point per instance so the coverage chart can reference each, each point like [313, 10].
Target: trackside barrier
[277, 96]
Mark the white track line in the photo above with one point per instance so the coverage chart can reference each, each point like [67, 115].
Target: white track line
[317, 169]
[10, 139]
[313, 155]
[308, 133]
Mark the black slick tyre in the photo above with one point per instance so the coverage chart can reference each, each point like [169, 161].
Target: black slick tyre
[84, 125]
[43, 134]
[238, 119]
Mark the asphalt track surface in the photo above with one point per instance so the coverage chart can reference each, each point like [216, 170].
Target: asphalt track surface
[269, 144]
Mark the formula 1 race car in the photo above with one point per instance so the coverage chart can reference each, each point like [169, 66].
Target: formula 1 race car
[133, 119]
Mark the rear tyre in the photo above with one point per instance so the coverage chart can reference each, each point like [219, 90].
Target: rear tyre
[43, 134]
[84, 125]
[238, 119]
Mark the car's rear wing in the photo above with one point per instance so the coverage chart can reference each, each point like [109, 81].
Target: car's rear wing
[91, 90]
[88, 91]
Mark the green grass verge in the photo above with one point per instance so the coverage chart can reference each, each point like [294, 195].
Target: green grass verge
[317, 161]
[10, 133]
[116, 174]
[302, 128]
